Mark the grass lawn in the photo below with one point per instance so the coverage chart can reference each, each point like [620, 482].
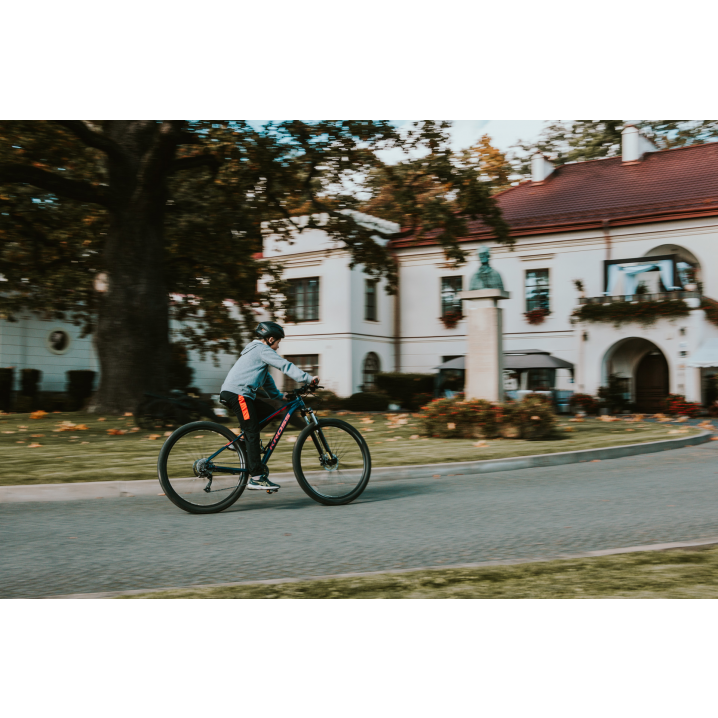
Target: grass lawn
[675, 573]
[48, 450]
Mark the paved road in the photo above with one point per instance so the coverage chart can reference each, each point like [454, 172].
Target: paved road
[106, 545]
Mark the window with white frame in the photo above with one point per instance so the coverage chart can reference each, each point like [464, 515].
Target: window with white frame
[370, 300]
[537, 290]
[303, 300]
[450, 288]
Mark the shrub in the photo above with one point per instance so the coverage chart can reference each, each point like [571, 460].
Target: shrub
[6, 380]
[325, 399]
[402, 388]
[677, 404]
[533, 418]
[367, 401]
[418, 401]
[461, 419]
[179, 372]
[79, 386]
[613, 395]
[584, 402]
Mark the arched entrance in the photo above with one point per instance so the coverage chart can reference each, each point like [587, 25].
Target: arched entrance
[642, 369]
[651, 382]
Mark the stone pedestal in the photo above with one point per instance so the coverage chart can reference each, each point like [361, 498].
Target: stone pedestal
[485, 356]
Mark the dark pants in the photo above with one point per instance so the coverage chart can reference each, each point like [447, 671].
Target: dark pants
[250, 412]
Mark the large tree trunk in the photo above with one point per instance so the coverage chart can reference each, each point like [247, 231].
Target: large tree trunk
[133, 314]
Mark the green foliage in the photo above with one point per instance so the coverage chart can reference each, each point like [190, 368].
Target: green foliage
[579, 140]
[366, 401]
[402, 388]
[533, 418]
[613, 395]
[618, 313]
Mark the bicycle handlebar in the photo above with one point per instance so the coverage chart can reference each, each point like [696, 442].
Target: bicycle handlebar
[303, 390]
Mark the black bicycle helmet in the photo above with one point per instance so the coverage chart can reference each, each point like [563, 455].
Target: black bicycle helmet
[269, 329]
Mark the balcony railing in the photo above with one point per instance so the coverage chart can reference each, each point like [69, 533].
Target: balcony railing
[660, 297]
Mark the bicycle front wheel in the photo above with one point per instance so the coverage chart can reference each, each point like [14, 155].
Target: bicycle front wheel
[182, 473]
[331, 461]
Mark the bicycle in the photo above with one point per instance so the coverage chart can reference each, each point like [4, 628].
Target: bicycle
[331, 460]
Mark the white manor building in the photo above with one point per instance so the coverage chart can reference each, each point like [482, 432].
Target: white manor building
[642, 225]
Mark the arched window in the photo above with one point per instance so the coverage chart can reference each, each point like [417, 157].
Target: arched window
[369, 371]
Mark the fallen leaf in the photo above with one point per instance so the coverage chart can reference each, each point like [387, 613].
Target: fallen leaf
[128, 413]
[414, 436]
[19, 442]
[577, 419]
[367, 420]
[135, 428]
[630, 429]
[21, 426]
[9, 432]
[38, 414]
[593, 461]
[102, 418]
[199, 436]
[81, 427]
[451, 426]
[116, 432]
[84, 442]
[37, 436]
[292, 439]
[33, 445]
[681, 419]
[169, 433]
[569, 428]
[152, 437]
[480, 444]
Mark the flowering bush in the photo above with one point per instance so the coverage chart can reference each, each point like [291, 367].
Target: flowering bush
[677, 404]
[532, 418]
[536, 316]
[710, 307]
[584, 402]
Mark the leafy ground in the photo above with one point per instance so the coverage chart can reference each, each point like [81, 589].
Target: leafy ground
[676, 573]
[56, 448]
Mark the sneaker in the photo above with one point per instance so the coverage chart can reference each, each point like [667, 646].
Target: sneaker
[261, 483]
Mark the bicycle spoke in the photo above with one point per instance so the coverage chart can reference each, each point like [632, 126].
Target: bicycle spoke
[185, 469]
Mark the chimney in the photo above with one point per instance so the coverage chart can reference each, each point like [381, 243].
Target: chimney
[541, 168]
[634, 145]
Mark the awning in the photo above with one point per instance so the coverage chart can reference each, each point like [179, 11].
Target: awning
[706, 355]
[518, 361]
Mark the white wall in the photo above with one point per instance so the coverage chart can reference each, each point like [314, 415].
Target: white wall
[23, 345]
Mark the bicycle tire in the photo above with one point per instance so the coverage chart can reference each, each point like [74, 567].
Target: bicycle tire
[177, 475]
[325, 484]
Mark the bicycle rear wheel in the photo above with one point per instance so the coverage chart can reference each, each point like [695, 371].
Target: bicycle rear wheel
[332, 462]
[181, 471]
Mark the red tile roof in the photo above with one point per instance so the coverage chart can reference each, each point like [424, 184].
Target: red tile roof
[667, 185]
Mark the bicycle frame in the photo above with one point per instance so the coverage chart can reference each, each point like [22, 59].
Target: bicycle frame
[292, 406]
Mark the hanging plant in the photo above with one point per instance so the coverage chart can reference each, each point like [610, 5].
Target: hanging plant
[618, 313]
[452, 318]
[536, 316]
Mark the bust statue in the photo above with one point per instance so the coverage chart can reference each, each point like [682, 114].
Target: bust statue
[486, 277]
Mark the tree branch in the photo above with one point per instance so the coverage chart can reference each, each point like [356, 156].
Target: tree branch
[92, 138]
[203, 160]
[42, 179]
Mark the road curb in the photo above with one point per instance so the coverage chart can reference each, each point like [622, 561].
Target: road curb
[483, 564]
[119, 489]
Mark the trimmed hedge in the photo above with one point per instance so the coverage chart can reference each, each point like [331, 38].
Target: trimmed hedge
[366, 401]
[403, 389]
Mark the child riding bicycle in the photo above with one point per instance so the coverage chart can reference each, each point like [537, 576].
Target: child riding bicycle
[239, 391]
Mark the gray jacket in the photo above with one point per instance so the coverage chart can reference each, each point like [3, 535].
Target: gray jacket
[251, 371]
